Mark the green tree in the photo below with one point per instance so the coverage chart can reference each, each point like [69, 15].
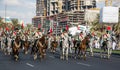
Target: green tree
[15, 22]
[116, 28]
[2, 24]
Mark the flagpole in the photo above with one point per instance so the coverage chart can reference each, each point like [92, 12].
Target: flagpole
[5, 12]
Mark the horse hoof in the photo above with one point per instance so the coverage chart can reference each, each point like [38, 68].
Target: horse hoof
[45, 54]
[8, 53]
[35, 57]
[26, 52]
[67, 59]
[75, 58]
[16, 59]
[62, 58]
[5, 53]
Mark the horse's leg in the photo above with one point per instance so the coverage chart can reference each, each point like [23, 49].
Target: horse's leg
[91, 50]
[63, 52]
[79, 52]
[67, 53]
[84, 53]
[35, 50]
[75, 52]
[76, 48]
[41, 53]
[102, 51]
[109, 53]
[70, 50]
[15, 54]
[35, 56]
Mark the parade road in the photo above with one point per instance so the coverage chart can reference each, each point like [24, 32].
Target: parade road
[53, 62]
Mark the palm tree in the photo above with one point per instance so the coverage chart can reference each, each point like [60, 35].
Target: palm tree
[116, 28]
[2, 24]
[15, 22]
[97, 27]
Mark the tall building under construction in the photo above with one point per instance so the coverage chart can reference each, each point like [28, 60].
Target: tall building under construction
[56, 8]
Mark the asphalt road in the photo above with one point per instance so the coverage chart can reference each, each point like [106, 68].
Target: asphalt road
[53, 62]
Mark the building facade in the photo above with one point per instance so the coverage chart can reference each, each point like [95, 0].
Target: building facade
[60, 13]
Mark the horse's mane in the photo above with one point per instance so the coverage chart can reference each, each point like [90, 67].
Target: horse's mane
[42, 39]
[85, 39]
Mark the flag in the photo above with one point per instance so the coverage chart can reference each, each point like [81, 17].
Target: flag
[108, 28]
[67, 27]
[39, 26]
[22, 25]
[12, 27]
[78, 28]
[14, 33]
[7, 29]
[50, 30]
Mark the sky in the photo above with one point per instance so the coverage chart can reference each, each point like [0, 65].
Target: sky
[24, 9]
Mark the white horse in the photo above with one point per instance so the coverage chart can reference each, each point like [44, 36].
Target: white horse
[71, 44]
[3, 43]
[9, 48]
[65, 46]
[91, 46]
[106, 47]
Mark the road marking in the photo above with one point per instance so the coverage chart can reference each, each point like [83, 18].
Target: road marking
[84, 64]
[52, 57]
[29, 64]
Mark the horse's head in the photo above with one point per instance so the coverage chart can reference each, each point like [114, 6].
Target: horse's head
[17, 38]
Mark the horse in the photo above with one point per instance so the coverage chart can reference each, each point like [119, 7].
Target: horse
[26, 45]
[54, 45]
[65, 46]
[82, 47]
[16, 47]
[71, 44]
[40, 46]
[8, 45]
[91, 44]
[106, 47]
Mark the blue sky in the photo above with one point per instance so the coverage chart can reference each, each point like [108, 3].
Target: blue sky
[23, 9]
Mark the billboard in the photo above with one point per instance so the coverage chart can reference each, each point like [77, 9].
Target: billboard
[109, 15]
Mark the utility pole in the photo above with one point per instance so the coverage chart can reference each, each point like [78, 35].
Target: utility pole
[5, 13]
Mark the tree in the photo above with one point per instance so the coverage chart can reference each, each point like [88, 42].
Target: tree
[15, 22]
[2, 24]
[116, 28]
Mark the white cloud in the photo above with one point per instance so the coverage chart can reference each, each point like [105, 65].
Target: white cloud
[26, 17]
[21, 3]
[28, 6]
[11, 2]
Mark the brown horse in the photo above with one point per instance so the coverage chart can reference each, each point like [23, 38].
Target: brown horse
[83, 46]
[54, 45]
[40, 47]
[16, 47]
[26, 45]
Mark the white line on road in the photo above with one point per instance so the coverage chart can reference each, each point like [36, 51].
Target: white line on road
[29, 64]
[84, 64]
[52, 57]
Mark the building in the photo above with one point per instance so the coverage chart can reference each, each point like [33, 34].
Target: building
[60, 13]
[41, 7]
[91, 15]
[82, 4]
[54, 7]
